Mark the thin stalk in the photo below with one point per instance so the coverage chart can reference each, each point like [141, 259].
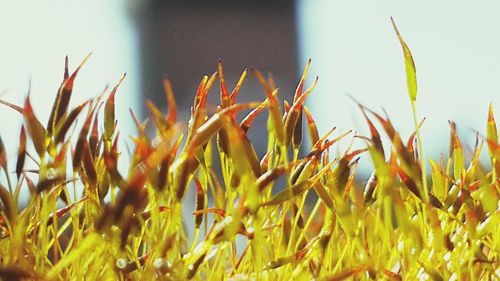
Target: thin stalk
[295, 221]
[421, 150]
[88, 243]
[308, 223]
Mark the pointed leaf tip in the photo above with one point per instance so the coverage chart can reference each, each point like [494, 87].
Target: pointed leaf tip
[411, 76]
[66, 71]
[109, 111]
[491, 117]
[35, 128]
[491, 130]
[172, 106]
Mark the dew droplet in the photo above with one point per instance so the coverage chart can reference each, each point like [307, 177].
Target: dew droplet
[121, 263]
[51, 173]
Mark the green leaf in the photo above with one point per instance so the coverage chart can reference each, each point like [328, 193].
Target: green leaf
[491, 130]
[35, 128]
[411, 76]
[458, 156]
[61, 103]
[438, 183]
[109, 112]
[287, 193]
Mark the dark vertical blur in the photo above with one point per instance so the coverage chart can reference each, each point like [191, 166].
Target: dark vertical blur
[182, 40]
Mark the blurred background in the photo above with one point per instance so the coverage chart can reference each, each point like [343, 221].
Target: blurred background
[352, 45]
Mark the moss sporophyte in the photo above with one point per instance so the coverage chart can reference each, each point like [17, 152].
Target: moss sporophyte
[297, 212]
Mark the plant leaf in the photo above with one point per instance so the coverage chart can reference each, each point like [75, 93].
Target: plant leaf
[311, 126]
[109, 111]
[3, 157]
[21, 152]
[491, 130]
[458, 156]
[411, 76]
[63, 97]
[172, 106]
[35, 128]
[68, 121]
[237, 88]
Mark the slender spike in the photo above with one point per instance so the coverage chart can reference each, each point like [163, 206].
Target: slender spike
[409, 64]
[323, 195]
[264, 162]
[64, 210]
[35, 128]
[327, 144]
[82, 138]
[237, 88]
[491, 130]
[110, 161]
[392, 275]
[287, 107]
[88, 165]
[241, 146]
[199, 112]
[3, 157]
[453, 128]
[200, 202]
[48, 183]
[354, 153]
[297, 133]
[401, 150]
[270, 79]
[156, 115]
[68, 121]
[172, 106]
[94, 136]
[458, 157]
[200, 91]
[210, 82]
[270, 176]
[66, 71]
[109, 111]
[411, 141]
[323, 138]
[296, 108]
[21, 153]
[217, 211]
[275, 116]
[375, 135]
[60, 107]
[408, 182]
[224, 94]
[8, 204]
[4, 164]
[267, 88]
[212, 125]
[246, 123]
[300, 87]
[297, 188]
[311, 125]
[13, 106]
[59, 159]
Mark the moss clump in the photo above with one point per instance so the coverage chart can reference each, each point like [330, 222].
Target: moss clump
[399, 226]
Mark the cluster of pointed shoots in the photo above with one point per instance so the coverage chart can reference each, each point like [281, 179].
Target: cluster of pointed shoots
[297, 212]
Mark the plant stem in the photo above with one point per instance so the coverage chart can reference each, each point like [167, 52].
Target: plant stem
[421, 150]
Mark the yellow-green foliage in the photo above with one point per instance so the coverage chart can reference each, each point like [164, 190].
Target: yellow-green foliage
[401, 225]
